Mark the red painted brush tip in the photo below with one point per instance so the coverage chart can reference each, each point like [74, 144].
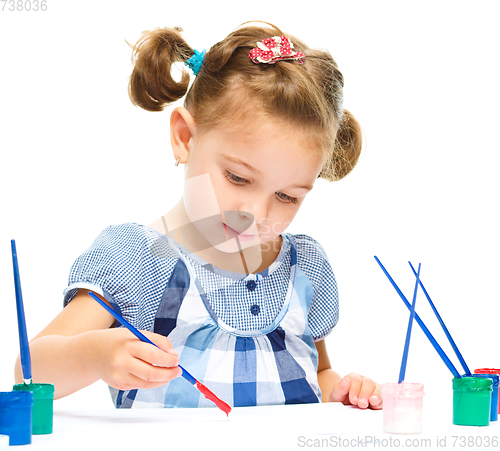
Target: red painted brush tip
[209, 395]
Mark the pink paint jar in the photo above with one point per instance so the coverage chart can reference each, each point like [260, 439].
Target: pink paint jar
[403, 407]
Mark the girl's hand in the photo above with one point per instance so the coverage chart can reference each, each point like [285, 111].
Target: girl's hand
[357, 390]
[124, 362]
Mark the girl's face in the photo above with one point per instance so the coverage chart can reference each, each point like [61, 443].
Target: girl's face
[243, 186]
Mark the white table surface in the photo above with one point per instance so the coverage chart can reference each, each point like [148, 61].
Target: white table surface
[308, 426]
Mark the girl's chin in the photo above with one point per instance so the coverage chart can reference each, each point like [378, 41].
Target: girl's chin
[232, 245]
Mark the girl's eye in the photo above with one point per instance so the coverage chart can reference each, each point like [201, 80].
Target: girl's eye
[235, 179]
[242, 181]
[286, 199]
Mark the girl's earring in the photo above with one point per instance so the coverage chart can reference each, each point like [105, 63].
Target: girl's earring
[177, 162]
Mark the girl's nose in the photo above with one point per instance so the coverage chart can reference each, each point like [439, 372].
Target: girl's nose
[257, 210]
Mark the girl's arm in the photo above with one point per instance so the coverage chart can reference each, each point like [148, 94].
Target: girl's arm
[327, 378]
[352, 389]
[78, 348]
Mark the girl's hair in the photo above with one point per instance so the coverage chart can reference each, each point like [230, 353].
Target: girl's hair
[307, 96]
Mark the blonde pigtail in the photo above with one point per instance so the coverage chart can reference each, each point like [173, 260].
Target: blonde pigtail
[346, 150]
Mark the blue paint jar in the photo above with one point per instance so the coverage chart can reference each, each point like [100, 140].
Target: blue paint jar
[15, 416]
[494, 394]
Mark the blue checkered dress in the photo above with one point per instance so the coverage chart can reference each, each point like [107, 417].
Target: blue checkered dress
[248, 338]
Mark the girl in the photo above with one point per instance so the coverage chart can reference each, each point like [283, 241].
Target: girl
[245, 306]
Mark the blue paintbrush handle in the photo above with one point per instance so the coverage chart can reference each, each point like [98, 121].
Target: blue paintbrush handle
[402, 371]
[21, 321]
[138, 334]
[426, 331]
[445, 329]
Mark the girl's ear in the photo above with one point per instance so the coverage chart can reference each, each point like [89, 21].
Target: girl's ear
[182, 128]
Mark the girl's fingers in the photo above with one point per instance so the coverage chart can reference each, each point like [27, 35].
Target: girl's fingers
[132, 382]
[376, 401]
[358, 391]
[366, 392]
[153, 355]
[356, 382]
[340, 391]
[162, 342]
[144, 365]
[150, 374]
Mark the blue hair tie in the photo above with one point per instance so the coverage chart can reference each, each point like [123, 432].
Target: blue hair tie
[195, 62]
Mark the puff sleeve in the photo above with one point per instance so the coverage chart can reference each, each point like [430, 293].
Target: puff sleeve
[323, 314]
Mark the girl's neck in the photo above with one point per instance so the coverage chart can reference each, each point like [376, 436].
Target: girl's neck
[176, 225]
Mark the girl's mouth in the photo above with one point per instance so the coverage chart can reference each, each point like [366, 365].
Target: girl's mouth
[231, 233]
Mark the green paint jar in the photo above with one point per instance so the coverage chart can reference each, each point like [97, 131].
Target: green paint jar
[43, 406]
[472, 401]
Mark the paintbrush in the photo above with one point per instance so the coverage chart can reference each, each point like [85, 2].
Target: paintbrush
[402, 371]
[445, 329]
[426, 331]
[21, 321]
[204, 390]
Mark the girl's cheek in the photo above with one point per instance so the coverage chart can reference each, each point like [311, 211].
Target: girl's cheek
[200, 198]
[279, 227]
[264, 232]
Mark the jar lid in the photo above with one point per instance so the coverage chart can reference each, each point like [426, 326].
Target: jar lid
[487, 371]
[406, 389]
[472, 383]
[24, 398]
[40, 390]
[494, 377]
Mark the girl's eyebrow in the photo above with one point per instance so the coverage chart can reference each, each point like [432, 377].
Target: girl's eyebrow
[307, 187]
[238, 161]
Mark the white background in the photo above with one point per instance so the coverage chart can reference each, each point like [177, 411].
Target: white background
[422, 79]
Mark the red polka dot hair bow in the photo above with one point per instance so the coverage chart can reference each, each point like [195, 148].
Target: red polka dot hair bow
[275, 49]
